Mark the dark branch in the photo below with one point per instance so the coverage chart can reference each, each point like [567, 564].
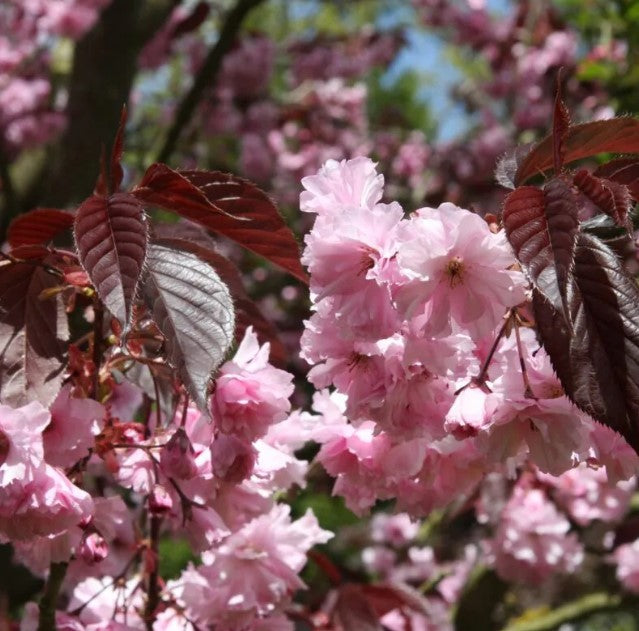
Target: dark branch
[207, 74]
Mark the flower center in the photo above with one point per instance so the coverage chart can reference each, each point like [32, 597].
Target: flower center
[455, 271]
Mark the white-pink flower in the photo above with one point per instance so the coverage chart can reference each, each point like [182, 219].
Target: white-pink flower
[35, 498]
[457, 273]
[250, 394]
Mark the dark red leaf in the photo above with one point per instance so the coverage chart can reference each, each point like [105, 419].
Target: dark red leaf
[596, 354]
[560, 125]
[111, 237]
[612, 198]
[542, 225]
[384, 597]
[194, 310]
[353, 611]
[247, 313]
[623, 171]
[38, 226]
[617, 135]
[263, 230]
[164, 187]
[33, 335]
[116, 173]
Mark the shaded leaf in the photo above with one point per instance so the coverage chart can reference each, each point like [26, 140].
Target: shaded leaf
[542, 225]
[560, 125]
[33, 335]
[610, 197]
[265, 232]
[116, 173]
[604, 227]
[624, 171]
[597, 361]
[194, 310]
[354, 611]
[481, 596]
[385, 597]
[164, 187]
[617, 135]
[247, 313]
[509, 163]
[111, 237]
[38, 226]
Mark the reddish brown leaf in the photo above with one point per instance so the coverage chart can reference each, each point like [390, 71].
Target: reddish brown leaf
[560, 125]
[612, 198]
[509, 163]
[354, 611]
[542, 225]
[164, 187]
[596, 353]
[33, 335]
[38, 226]
[617, 135]
[247, 313]
[623, 171]
[116, 173]
[262, 230]
[111, 237]
[385, 597]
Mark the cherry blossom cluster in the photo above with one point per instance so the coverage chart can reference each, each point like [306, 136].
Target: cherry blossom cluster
[420, 331]
[30, 113]
[82, 482]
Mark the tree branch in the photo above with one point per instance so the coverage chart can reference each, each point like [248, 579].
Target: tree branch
[207, 74]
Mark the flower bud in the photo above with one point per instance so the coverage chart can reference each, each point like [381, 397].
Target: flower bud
[160, 500]
[177, 457]
[232, 459]
[5, 445]
[93, 548]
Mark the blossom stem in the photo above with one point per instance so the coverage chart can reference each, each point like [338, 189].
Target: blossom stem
[98, 323]
[153, 589]
[46, 616]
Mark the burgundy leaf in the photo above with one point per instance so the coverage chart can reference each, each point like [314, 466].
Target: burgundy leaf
[623, 171]
[611, 197]
[38, 226]
[162, 186]
[194, 310]
[247, 313]
[265, 233]
[542, 225]
[111, 237]
[116, 173]
[385, 597]
[354, 611]
[33, 335]
[560, 125]
[617, 135]
[596, 356]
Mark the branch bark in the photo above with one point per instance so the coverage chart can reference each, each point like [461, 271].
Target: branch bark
[104, 68]
[207, 74]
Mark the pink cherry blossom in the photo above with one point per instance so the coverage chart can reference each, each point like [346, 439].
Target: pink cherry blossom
[457, 272]
[250, 393]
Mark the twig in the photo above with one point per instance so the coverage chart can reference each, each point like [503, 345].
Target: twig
[98, 323]
[599, 601]
[153, 588]
[46, 615]
[207, 74]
